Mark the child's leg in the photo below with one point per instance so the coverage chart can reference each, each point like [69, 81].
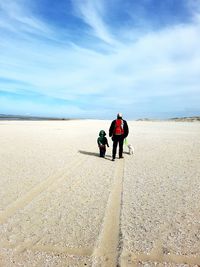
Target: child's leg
[101, 151]
[104, 151]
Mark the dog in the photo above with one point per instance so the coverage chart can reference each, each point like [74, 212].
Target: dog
[130, 147]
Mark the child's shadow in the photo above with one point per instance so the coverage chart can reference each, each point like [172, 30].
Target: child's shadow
[89, 153]
[92, 154]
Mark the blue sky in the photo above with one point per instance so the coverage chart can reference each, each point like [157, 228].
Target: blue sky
[95, 58]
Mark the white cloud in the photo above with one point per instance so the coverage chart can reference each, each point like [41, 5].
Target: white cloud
[158, 64]
[17, 105]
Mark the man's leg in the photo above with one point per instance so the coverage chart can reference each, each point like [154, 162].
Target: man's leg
[121, 142]
[115, 141]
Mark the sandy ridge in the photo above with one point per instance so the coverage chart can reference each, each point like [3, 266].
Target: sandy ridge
[34, 192]
[106, 252]
[33, 244]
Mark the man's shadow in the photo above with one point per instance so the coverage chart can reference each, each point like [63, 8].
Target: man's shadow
[93, 154]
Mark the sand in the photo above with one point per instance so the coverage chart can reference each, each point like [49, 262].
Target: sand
[63, 205]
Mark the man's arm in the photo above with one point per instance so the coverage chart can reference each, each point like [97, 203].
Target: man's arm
[107, 142]
[111, 130]
[126, 129]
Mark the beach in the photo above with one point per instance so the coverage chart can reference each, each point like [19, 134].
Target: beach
[63, 205]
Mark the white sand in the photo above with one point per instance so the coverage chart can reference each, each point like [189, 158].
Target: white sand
[62, 205]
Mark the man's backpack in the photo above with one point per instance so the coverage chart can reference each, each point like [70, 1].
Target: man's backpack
[119, 127]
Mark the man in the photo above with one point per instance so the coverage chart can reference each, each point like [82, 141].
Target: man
[118, 131]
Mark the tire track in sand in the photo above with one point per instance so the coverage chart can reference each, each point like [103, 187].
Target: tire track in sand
[32, 244]
[106, 253]
[20, 203]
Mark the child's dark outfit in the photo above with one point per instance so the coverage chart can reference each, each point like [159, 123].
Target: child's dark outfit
[102, 142]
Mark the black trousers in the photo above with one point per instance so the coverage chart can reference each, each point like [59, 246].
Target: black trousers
[102, 151]
[117, 139]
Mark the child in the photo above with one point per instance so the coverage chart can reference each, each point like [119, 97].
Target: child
[102, 142]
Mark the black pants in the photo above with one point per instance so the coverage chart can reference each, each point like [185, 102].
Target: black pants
[102, 151]
[117, 139]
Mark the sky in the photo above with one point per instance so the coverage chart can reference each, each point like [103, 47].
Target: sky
[95, 58]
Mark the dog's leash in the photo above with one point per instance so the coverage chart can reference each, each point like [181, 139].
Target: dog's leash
[125, 141]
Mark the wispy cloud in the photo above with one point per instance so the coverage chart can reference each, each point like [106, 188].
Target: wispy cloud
[17, 18]
[93, 12]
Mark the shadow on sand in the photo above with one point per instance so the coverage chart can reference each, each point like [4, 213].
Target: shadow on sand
[93, 154]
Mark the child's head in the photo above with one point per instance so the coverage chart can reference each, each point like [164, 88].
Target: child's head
[102, 133]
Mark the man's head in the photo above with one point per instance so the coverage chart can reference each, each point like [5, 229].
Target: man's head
[119, 115]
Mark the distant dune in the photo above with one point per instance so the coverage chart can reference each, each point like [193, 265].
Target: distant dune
[189, 119]
[196, 118]
[37, 118]
[21, 117]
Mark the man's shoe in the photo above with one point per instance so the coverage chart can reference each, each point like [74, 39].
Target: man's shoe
[113, 159]
[121, 157]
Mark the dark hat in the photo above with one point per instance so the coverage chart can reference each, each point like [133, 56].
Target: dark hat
[119, 115]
